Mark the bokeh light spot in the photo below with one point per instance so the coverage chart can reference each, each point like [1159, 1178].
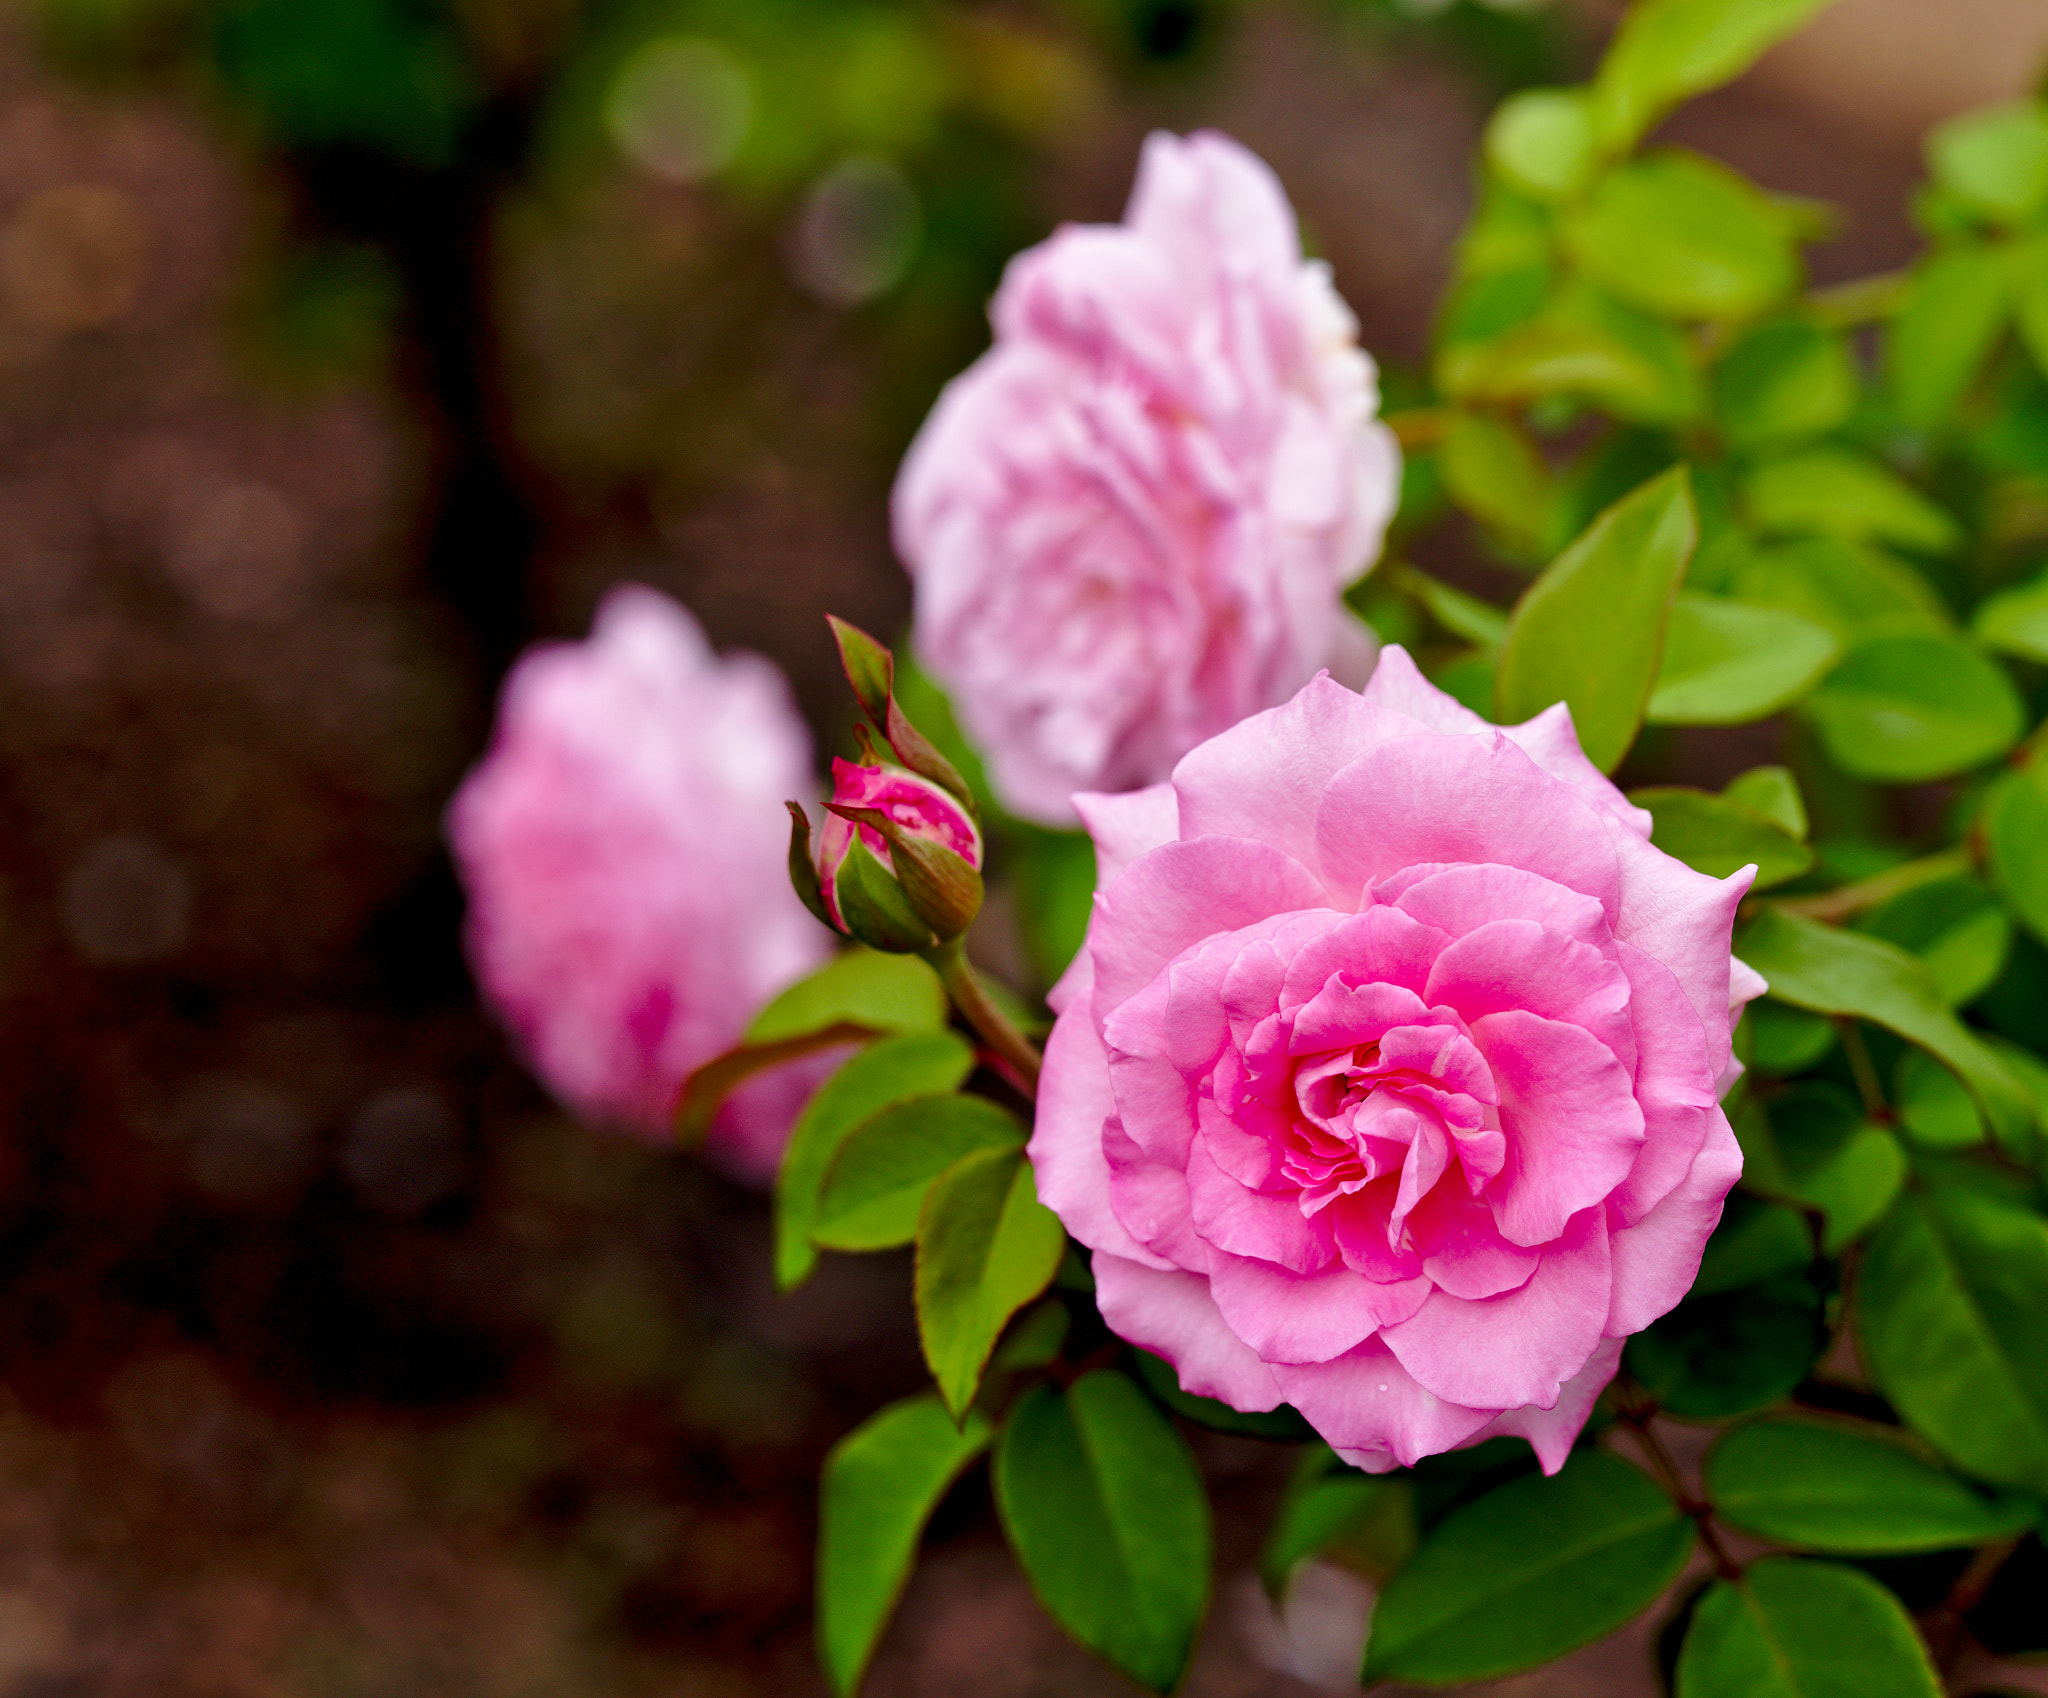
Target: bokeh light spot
[402, 1151]
[679, 108]
[73, 257]
[236, 549]
[858, 231]
[126, 901]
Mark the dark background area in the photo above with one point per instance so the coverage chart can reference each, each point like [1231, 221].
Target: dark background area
[335, 1359]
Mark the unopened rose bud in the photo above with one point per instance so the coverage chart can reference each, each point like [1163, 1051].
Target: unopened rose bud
[899, 858]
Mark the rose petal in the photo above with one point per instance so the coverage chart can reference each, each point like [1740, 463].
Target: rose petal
[1460, 899]
[1171, 1314]
[1365, 1401]
[1290, 1317]
[1244, 1222]
[1552, 1432]
[1657, 1259]
[1463, 1251]
[1518, 964]
[1399, 686]
[1126, 826]
[1684, 919]
[1674, 1085]
[1551, 741]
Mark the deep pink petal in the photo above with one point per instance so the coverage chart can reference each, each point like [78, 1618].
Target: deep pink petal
[1151, 1200]
[1551, 741]
[1265, 776]
[1569, 1111]
[1516, 963]
[1522, 1346]
[1171, 1314]
[1657, 1259]
[1674, 1085]
[1684, 919]
[1180, 893]
[1341, 1015]
[1463, 1251]
[1289, 1317]
[1243, 1222]
[1379, 945]
[1361, 1223]
[1439, 798]
[1366, 1402]
[1461, 899]
[1552, 1432]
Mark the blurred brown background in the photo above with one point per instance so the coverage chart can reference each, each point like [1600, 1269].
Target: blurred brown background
[335, 1360]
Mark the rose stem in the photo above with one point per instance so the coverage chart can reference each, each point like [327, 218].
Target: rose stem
[949, 960]
[1865, 1070]
[1852, 899]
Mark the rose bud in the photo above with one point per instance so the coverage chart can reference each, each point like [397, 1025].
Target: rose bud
[899, 858]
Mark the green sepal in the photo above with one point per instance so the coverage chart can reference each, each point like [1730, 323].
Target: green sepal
[803, 871]
[874, 906]
[941, 887]
[871, 670]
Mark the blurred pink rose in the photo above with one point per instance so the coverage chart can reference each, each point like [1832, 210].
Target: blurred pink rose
[1387, 1084]
[624, 847]
[1132, 520]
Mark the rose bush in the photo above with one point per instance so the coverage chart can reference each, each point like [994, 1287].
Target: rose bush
[622, 847]
[1387, 1083]
[1130, 523]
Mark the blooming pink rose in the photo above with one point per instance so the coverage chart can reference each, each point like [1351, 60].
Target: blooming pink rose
[917, 805]
[1132, 520]
[624, 847]
[1387, 1084]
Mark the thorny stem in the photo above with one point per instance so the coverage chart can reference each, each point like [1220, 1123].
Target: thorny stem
[1010, 1046]
[1943, 1625]
[1860, 1064]
[1637, 1418]
[1853, 899]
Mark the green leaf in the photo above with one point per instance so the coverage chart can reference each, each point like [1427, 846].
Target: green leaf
[1823, 1153]
[1541, 141]
[1833, 1488]
[1955, 309]
[1795, 1629]
[1036, 1338]
[1854, 590]
[880, 1485]
[894, 993]
[1933, 1105]
[1370, 1518]
[1919, 705]
[2015, 621]
[1955, 926]
[1492, 470]
[1458, 613]
[1783, 381]
[1836, 492]
[1755, 1241]
[1835, 972]
[1681, 237]
[2015, 825]
[2031, 1070]
[1715, 836]
[1105, 1508]
[1786, 1040]
[1054, 875]
[914, 1065]
[985, 1247]
[875, 1189]
[1590, 630]
[1580, 344]
[1726, 663]
[1996, 159]
[1726, 1354]
[1284, 1424]
[1953, 1320]
[1528, 1572]
[1667, 51]
[1773, 792]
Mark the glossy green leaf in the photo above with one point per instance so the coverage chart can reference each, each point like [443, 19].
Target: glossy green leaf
[1726, 663]
[1461, 614]
[1953, 1319]
[2015, 621]
[1667, 51]
[1835, 972]
[1589, 631]
[896, 993]
[1995, 159]
[1492, 470]
[1528, 1572]
[985, 1247]
[1933, 1105]
[1715, 836]
[914, 1065]
[1836, 1488]
[1955, 926]
[1795, 1629]
[2015, 826]
[1541, 141]
[1783, 381]
[1773, 792]
[1284, 1424]
[875, 1189]
[879, 1487]
[1823, 1153]
[1105, 1508]
[2031, 1069]
[1579, 345]
[1853, 589]
[1681, 237]
[1723, 1355]
[1955, 309]
[1369, 1518]
[1786, 1040]
[1919, 705]
[1837, 492]
[1755, 1241]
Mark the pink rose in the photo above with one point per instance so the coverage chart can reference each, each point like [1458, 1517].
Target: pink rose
[916, 805]
[1387, 1084]
[1132, 520]
[624, 847]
